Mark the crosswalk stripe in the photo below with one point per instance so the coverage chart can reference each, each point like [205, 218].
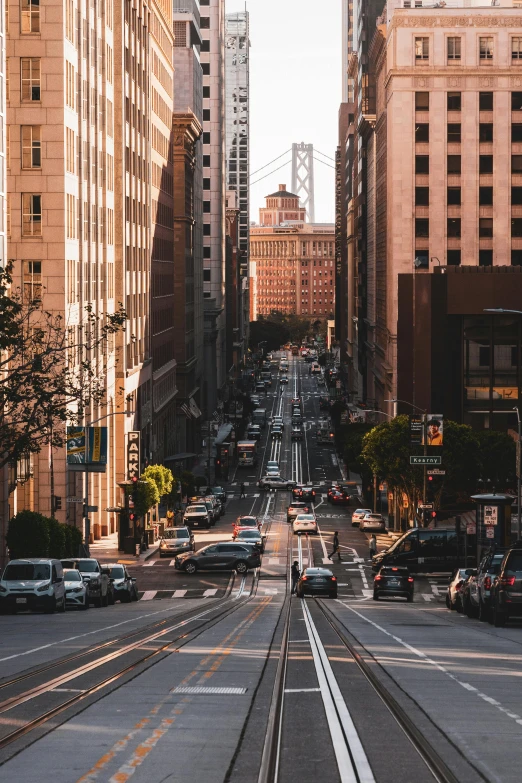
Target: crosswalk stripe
[151, 563]
[179, 593]
[148, 595]
[172, 562]
[209, 592]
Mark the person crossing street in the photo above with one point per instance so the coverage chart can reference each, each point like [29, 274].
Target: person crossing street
[372, 545]
[242, 491]
[336, 548]
[295, 573]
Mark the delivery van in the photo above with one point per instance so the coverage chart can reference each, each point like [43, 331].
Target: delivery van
[424, 551]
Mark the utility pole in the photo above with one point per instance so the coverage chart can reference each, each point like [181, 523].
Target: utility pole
[519, 478]
[425, 438]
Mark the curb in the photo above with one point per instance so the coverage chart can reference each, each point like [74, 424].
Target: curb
[149, 554]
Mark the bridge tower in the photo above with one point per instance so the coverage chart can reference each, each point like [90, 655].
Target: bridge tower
[303, 177]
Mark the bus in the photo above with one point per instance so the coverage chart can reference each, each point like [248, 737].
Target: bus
[247, 453]
[324, 431]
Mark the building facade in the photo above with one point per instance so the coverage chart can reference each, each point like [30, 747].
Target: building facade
[295, 261]
[237, 59]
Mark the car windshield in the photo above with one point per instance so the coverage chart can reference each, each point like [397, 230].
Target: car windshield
[196, 510]
[362, 511]
[248, 534]
[305, 518]
[318, 572]
[394, 571]
[85, 566]
[72, 576]
[247, 522]
[117, 572]
[27, 572]
[218, 490]
[176, 532]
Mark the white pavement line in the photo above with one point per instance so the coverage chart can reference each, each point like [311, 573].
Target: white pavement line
[241, 589]
[443, 669]
[172, 563]
[150, 563]
[273, 560]
[179, 593]
[302, 690]
[427, 597]
[148, 595]
[256, 496]
[435, 590]
[343, 732]
[210, 591]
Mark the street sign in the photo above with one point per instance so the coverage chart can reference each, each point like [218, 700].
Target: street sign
[490, 515]
[114, 509]
[425, 460]
[490, 533]
[92, 509]
[471, 528]
[74, 500]
[436, 472]
[425, 505]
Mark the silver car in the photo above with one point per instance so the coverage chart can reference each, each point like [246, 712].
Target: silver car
[275, 482]
[373, 522]
[359, 514]
[175, 540]
[75, 589]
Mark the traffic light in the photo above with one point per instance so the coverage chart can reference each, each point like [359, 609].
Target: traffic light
[57, 503]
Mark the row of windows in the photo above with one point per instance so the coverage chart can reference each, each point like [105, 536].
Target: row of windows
[454, 258]
[454, 196]
[94, 221]
[485, 46]
[454, 164]
[453, 227]
[454, 101]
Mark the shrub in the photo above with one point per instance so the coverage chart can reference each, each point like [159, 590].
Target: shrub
[76, 540]
[28, 535]
[57, 538]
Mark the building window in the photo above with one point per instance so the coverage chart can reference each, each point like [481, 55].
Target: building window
[422, 259]
[516, 196]
[453, 197]
[453, 132]
[516, 164]
[205, 67]
[516, 48]
[485, 196]
[422, 132]
[454, 164]
[204, 23]
[422, 101]
[422, 49]
[486, 164]
[31, 146]
[486, 132]
[206, 115]
[453, 257]
[207, 252]
[206, 92]
[453, 48]
[454, 227]
[206, 206]
[486, 47]
[422, 227]
[484, 356]
[206, 275]
[31, 215]
[516, 101]
[30, 16]
[206, 229]
[485, 101]
[422, 164]
[454, 101]
[422, 197]
[206, 138]
[516, 132]
[485, 258]
[205, 46]
[206, 161]
[516, 227]
[30, 70]
[485, 228]
[516, 258]
[32, 271]
[206, 183]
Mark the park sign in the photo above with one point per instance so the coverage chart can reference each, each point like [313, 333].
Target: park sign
[424, 460]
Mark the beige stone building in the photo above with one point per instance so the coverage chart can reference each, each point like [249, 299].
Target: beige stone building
[294, 260]
[90, 193]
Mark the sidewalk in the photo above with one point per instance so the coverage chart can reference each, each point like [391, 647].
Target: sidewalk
[106, 551]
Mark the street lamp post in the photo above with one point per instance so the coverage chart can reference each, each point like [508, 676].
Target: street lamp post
[496, 310]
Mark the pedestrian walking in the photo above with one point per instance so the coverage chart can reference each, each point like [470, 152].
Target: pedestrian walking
[295, 576]
[372, 544]
[335, 546]
[242, 492]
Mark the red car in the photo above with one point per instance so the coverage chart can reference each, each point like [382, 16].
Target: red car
[338, 498]
[245, 523]
[306, 494]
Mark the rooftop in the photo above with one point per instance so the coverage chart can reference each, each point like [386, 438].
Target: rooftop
[282, 193]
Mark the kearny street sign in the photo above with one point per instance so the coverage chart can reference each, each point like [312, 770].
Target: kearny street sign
[425, 460]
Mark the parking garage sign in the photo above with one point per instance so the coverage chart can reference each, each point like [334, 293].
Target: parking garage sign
[133, 455]
[490, 515]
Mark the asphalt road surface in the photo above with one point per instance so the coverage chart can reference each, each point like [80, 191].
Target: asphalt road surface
[218, 677]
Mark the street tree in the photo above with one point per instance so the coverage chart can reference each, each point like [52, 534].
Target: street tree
[50, 373]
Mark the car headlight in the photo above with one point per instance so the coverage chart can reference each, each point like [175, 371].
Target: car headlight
[3, 589]
[43, 588]
[75, 590]
[163, 545]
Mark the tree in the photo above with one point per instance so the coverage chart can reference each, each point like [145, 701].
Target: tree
[161, 476]
[48, 375]
[350, 442]
[145, 495]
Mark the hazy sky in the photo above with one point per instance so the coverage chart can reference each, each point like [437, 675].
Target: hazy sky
[295, 91]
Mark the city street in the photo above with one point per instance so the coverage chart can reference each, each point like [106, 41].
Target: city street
[189, 681]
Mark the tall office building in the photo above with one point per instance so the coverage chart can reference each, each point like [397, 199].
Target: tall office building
[237, 63]
[214, 202]
[84, 148]
[188, 228]
[4, 472]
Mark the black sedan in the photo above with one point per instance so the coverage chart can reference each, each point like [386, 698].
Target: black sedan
[305, 494]
[393, 581]
[252, 537]
[229, 556]
[317, 581]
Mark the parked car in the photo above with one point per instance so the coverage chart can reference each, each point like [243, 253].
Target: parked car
[175, 540]
[507, 587]
[305, 523]
[456, 582]
[297, 507]
[229, 556]
[124, 585]
[476, 592]
[374, 522]
[297, 433]
[358, 515]
[197, 515]
[246, 523]
[393, 581]
[252, 537]
[274, 482]
[32, 583]
[76, 593]
[98, 581]
[317, 581]
[304, 493]
[215, 507]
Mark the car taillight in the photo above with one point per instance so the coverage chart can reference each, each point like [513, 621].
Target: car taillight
[377, 578]
[333, 579]
[487, 583]
[459, 585]
[507, 581]
[304, 579]
[410, 579]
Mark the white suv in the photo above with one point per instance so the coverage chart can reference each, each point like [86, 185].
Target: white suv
[32, 583]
